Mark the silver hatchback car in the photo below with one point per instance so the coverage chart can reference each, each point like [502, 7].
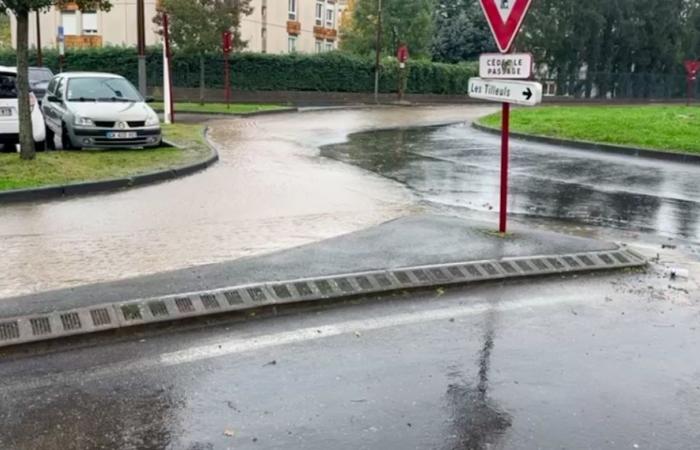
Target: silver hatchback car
[98, 110]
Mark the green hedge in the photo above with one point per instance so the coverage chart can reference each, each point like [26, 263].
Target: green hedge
[328, 72]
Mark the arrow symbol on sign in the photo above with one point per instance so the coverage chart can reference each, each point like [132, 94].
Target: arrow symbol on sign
[528, 94]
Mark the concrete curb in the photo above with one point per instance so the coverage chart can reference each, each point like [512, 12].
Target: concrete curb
[593, 146]
[248, 297]
[95, 187]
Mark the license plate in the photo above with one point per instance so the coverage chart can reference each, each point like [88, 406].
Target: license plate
[5, 112]
[122, 135]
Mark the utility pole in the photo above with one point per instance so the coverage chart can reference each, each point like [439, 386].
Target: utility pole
[379, 51]
[39, 55]
[141, 43]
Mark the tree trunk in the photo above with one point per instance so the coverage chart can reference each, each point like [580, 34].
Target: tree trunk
[26, 135]
[201, 80]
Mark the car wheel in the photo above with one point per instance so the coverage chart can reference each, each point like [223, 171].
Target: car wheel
[66, 142]
[50, 139]
[39, 146]
[7, 147]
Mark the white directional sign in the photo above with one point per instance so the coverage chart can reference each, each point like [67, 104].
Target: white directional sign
[509, 66]
[526, 93]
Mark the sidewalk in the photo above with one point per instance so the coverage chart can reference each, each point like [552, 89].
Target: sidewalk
[427, 250]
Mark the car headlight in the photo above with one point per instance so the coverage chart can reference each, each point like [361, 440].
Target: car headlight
[84, 121]
[152, 121]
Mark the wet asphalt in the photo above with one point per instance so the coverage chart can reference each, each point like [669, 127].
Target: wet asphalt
[456, 168]
[596, 362]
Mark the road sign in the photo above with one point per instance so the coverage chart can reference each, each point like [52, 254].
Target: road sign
[692, 68]
[505, 17]
[61, 34]
[510, 66]
[526, 93]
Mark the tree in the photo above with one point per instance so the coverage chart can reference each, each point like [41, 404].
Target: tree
[196, 27]
[461, 31]
[408, 21]
[21, 10]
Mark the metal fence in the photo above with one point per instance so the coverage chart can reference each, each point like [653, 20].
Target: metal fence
[599, 85]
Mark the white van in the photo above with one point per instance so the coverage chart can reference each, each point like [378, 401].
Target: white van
[9, 115]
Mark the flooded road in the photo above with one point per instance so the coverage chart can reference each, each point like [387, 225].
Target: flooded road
[270, 191]
[457, 168]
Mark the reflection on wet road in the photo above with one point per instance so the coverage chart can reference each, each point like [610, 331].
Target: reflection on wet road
[457, 167]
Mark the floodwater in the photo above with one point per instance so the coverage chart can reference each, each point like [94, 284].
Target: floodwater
[457, 168]
[270, 191]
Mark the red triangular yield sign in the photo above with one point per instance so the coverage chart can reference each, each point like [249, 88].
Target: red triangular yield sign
[505, 18]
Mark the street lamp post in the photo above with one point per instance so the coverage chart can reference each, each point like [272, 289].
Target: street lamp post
[379, 51]
[141, 43]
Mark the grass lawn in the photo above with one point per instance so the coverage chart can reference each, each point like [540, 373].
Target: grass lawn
[219, 108]
[669, 128]
[50, 168]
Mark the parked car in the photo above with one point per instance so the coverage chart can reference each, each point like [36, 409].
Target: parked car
[98, 110]
[39, 78]
[9, 114]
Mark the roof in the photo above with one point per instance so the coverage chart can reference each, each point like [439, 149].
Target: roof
[89, 74]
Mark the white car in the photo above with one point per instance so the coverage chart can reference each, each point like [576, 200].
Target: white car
[9, 115]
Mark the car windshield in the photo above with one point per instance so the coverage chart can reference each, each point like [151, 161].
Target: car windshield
[102, 89]
[8, 85]
[39, 75]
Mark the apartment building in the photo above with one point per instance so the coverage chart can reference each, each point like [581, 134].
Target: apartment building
[275, 26]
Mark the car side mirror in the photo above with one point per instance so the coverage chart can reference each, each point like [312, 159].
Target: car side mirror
[149, 99]
[53, 99]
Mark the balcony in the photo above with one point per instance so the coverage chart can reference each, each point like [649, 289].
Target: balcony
[329, 34]
[294, 28]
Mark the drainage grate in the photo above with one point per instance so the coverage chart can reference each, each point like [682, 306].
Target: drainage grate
[571, 261]
[525, 267]
[621, 258]
[233, 298]
[344, 285]
[100, 317]
[131, 312]
[489, 269]
[184, 305]
[303, 289]
[383, 280]
[158, 309]
[257, 294]
[70, 321]
[508, 267]
[282, 291]
[325, 287]
[421, 276]
[364, 283]
[9, 331]
[473, 270]
[586, 260]
[40, 326]
[607, 259]
[402, 277]
[438, 274]
[539, 264]
[556, 263]
[209, 301]
[455, 272]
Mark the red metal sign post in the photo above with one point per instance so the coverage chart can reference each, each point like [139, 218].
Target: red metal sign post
[227, 47]
[692, 68]
[402, 56]
[505, 17]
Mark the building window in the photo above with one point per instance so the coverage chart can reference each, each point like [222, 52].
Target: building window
[69, 22]
[319, 14]
[292, 44]
[330, 17]
[329, 46]
[319, 46]
[90, 22]
[292, 9]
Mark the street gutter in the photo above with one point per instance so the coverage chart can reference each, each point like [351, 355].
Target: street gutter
[598, 147]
